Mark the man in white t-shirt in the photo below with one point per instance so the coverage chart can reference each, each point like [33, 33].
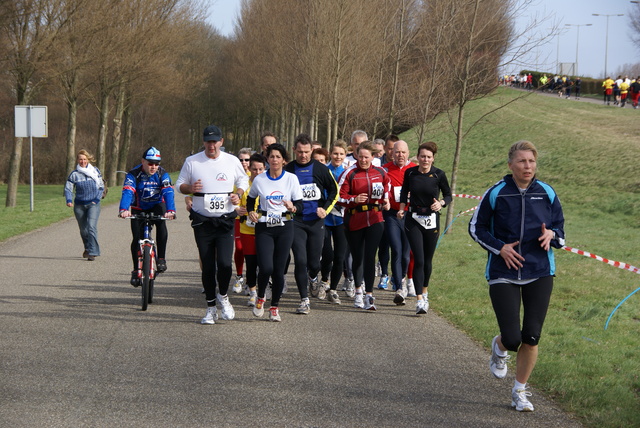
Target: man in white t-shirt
[357, 137]
[216, 180]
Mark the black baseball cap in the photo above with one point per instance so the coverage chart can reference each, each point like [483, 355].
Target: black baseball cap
[212, 133]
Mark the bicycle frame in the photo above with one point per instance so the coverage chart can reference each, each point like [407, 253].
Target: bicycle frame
[147, 241]
[147, 263]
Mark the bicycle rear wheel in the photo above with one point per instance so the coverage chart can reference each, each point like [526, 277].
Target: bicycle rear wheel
[146, 276]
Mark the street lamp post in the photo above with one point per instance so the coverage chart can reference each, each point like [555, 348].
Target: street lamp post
[577, 41]
[606, 46]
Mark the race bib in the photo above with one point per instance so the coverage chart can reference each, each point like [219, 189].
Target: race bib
[426, 221]
[217, 203]
[377, 190]
[274, 219]
[310, 192]
[396, 193]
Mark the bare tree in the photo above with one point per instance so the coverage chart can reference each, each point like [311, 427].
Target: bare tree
[634, 23]
[30, 30]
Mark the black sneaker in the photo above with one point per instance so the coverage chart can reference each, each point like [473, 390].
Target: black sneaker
[161, 265]
[135, 281]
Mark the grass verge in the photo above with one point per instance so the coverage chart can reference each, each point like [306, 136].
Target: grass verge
[588, 153]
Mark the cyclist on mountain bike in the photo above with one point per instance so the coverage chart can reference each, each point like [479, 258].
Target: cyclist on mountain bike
[147, 188]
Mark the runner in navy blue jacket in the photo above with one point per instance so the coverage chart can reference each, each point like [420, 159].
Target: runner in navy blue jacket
[518, 220]
[147, 187]
[320, 193]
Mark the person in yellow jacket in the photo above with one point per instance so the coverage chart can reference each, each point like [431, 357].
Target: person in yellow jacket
[543, 82]
[238, 256]
[624, 90]
[607, 86]
[257, 165]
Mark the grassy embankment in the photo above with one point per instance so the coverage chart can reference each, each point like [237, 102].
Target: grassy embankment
[589, 154]
[49, 207]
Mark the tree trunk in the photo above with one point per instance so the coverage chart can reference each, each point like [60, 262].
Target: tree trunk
[115, 137]
[16, 156]
[126, 143]
[14, 173]
[396, 70]
[102, 135]
[462, 97]
[327, 143]
[72, 127]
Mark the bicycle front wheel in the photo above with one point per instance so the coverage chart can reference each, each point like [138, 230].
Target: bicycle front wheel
[155, 273]
[146, 276]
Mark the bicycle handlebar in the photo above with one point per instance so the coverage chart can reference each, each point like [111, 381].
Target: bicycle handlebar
[147, 216]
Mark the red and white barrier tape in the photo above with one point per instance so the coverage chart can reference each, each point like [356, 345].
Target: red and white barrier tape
[467, 211]
[458, 195]
[613, 263]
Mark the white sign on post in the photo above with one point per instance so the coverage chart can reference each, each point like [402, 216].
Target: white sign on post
[31, 121]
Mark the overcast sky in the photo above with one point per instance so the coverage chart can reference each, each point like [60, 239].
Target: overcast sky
[591, 44]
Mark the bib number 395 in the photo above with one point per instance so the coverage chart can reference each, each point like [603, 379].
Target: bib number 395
[216, 204]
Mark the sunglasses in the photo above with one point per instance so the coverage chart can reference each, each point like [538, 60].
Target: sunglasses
[244, 160]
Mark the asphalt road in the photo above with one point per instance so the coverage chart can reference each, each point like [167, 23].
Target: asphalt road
[76, 350]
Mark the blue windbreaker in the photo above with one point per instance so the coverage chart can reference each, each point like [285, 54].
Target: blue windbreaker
[506, 215]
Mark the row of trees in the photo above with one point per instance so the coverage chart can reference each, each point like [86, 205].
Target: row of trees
[126, 74]
[110, 65]
[330, 66]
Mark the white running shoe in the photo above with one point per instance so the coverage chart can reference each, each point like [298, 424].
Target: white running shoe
[322, 290]
[411, 289]
[498, 364]
[274, 315]
[398, 299]
[359, 301]
[351, 288]
[369, 304]
[258, 309]
[304, 308]
[420, 307]
[314, 287]
[227, 310]
[237, 287]
[332, 297]
[252, 299]
[520, 400]
[425, 299]
[211, 316]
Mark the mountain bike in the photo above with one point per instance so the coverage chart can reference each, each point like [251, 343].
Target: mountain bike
[147, 261]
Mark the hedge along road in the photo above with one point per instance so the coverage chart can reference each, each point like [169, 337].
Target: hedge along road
[77, 350]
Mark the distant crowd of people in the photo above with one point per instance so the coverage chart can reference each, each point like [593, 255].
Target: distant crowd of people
[616, 92]
[621, 90]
